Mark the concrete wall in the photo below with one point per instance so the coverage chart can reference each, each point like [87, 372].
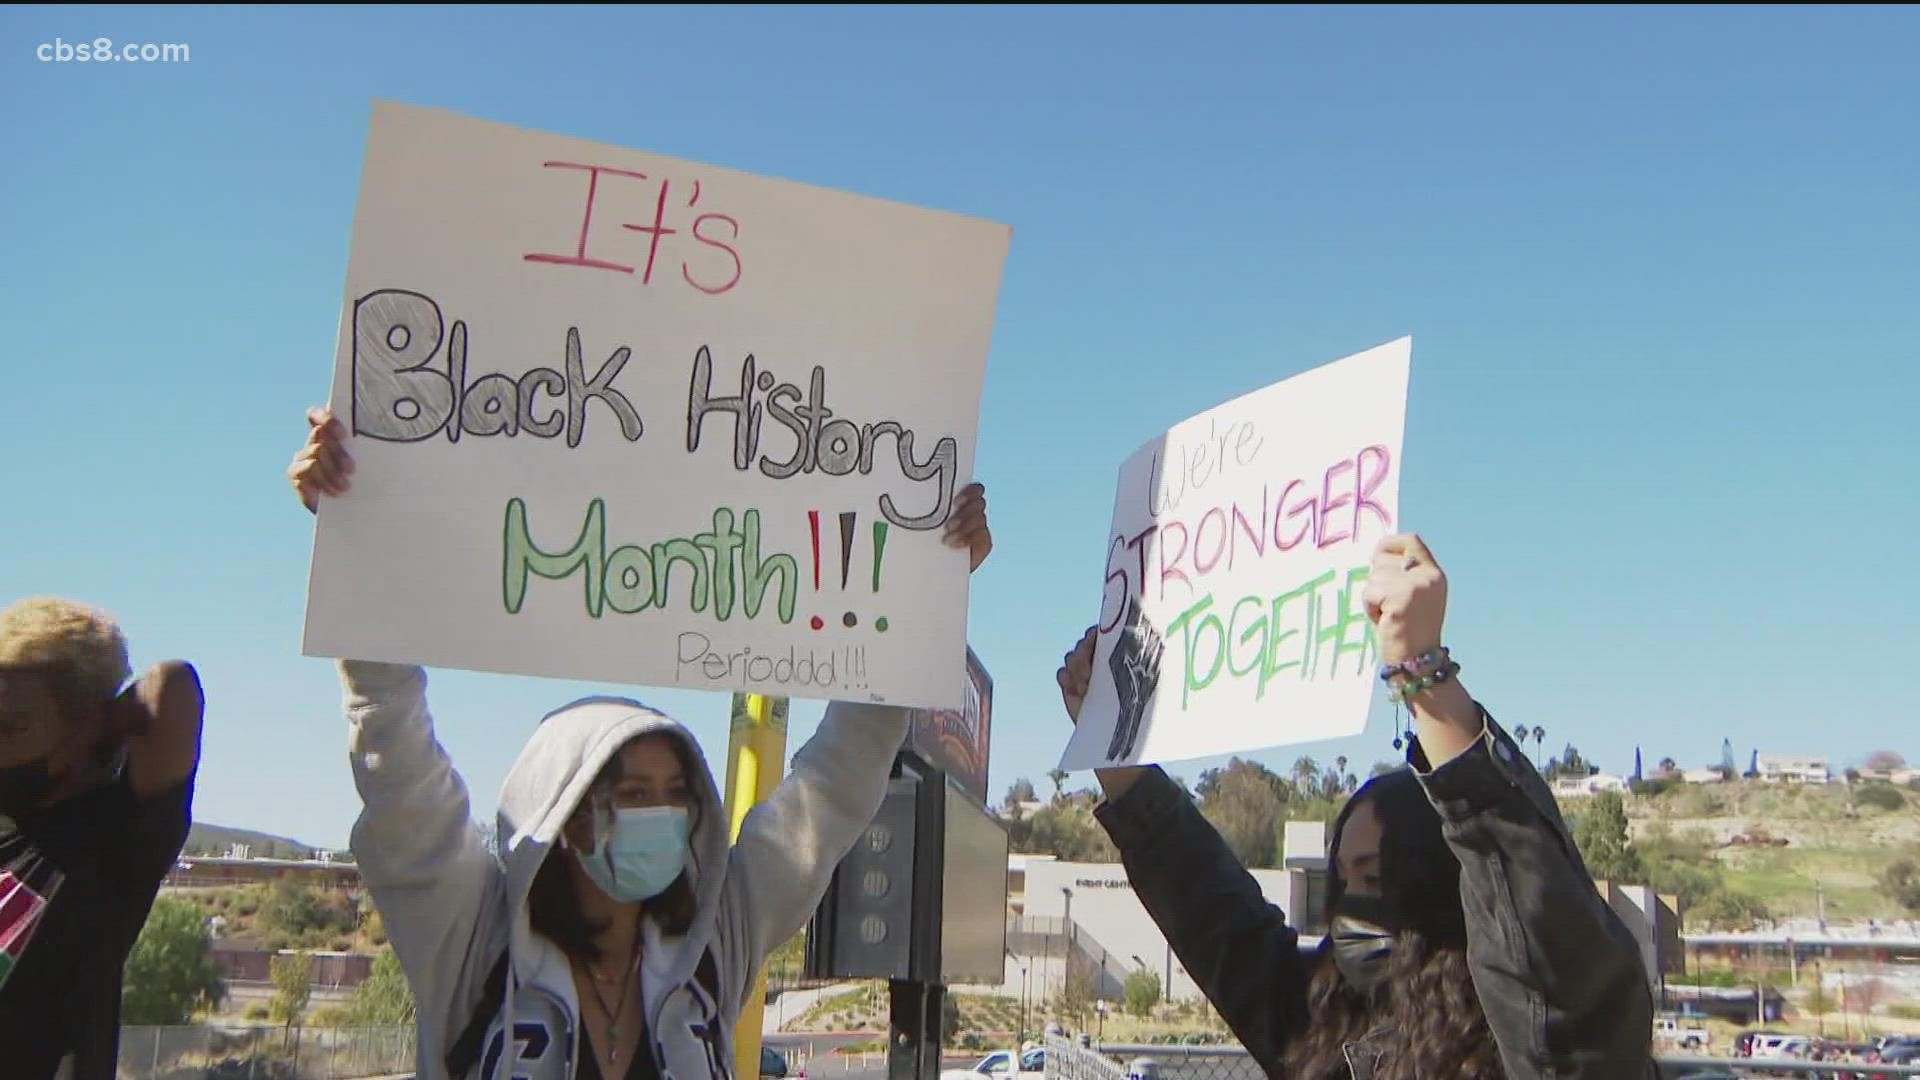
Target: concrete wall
[1655, 926]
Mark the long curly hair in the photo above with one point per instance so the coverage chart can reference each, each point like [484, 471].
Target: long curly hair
[1424, 1019]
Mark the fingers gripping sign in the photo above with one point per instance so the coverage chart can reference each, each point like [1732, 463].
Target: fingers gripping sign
[1076, 673]
[322, 465]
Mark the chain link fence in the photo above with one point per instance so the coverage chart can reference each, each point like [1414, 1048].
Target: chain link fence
[1068, 1060]
[269, 1053]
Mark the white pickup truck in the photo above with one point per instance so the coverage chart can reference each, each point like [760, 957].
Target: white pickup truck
[1003, 1065]
[1681, 1031]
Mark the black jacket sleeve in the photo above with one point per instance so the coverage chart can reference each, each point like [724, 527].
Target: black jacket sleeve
[1559, 975]
[1237, 947]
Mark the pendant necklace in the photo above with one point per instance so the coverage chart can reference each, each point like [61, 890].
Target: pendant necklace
[613, 1014]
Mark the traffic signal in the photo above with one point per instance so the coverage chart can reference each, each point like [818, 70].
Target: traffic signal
[864, 927]
[922, 896]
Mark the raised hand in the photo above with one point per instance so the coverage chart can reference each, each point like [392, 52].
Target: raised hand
[1076, 673]
[323, 465]
[967, 526]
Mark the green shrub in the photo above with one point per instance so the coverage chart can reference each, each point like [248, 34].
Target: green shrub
[1881, 797]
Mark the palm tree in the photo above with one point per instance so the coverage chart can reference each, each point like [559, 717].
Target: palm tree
[1521, 736]
[1539, 740]
[1059, 778]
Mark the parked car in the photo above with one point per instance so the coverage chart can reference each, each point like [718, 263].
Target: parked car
[1743, 1043]
[1001, 1065]
[1781, 1046]
[1681, 1031]
[1896, 1044]
[773, 1064]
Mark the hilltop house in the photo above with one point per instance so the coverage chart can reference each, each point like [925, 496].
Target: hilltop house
[1703, 776]
[1588, 785]
[1784, 769]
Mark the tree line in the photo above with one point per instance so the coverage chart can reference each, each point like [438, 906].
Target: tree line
[1247, 802]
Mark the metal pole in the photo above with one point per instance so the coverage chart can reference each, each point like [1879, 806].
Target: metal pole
[756, 754]
[915, 1014]
[1846, 1024]
[1045, 973]
[1021, 1039]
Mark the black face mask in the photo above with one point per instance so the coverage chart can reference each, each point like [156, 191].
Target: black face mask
[24, 787]
[1363, 929]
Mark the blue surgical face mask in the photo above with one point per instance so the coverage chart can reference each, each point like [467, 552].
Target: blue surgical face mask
[642, 854]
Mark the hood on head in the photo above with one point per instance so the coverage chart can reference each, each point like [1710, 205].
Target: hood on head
[556, 768]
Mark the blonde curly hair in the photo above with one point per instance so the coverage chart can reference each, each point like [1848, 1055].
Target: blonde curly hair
[48, 631]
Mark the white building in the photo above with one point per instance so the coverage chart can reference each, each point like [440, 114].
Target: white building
[1783, 769]
[1588, 785]
[1703, 776]
[1305, 846]
[1089, 911]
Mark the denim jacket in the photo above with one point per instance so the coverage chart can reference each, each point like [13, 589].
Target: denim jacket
[1559, 975]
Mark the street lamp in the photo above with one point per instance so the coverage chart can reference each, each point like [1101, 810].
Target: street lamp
[1025, 986]
[1820, 989]
[1066, 948]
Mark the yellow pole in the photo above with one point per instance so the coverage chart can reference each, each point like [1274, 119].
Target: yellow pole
[756, 756]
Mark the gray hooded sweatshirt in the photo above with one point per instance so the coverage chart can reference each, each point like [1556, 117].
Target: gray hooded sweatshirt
[453, 910]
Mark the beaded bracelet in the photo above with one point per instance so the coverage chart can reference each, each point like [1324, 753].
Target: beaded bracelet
[1407, 691]
[1418, 666]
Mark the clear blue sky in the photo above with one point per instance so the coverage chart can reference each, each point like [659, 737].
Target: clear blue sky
[1661, 269]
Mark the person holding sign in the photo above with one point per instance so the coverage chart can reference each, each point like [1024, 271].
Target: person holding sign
[96, 798]
[1467, 938]
[616, 933]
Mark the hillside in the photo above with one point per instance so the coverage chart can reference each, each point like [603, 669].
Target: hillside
[204, 839]
[1801, 850]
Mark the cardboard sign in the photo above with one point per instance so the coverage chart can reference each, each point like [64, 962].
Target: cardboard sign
[622, 417]
[1232, 617]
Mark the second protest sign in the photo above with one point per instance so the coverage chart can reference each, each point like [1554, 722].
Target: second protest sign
[1232, 617]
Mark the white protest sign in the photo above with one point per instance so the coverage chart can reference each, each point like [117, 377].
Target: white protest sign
[1232, 617]
[621, 417]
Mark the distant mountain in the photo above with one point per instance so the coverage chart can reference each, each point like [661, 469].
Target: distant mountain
[218, 840]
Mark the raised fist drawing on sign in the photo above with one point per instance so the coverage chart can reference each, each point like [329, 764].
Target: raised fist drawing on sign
[1135, 664]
